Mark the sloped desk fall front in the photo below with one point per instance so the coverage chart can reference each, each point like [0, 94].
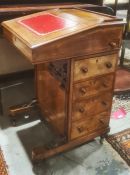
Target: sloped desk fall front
[75, 53]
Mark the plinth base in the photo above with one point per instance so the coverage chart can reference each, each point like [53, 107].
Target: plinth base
[42, 153]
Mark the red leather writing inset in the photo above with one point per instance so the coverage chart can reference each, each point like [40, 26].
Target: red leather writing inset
[46, 23]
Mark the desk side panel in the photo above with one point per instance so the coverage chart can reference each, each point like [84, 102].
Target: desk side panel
[52, 99]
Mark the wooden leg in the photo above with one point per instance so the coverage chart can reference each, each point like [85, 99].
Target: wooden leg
[41, 153]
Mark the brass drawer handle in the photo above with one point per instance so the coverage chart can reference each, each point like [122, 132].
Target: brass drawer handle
[109, 65]
[80, 129]
[83, 90]
[113, 44]
[81, 110]
[84, 69]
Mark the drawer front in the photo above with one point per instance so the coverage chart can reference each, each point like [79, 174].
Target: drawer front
[93, 86]
[87, 68]
[87, 126]
[92, 106]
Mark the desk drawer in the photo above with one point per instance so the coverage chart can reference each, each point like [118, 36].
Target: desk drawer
[93, 86]
[89, 125]
[87, 68]
[92, 106]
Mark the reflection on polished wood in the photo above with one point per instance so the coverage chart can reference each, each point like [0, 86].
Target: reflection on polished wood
[75, 74]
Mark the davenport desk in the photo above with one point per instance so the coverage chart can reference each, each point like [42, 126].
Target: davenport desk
[75, 53]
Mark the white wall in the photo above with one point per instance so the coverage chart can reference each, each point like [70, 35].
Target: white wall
[11, 60]
[113, 1]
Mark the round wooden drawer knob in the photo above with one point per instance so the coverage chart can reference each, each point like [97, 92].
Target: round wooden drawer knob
[104, 103]
[80, 129]
[101, 121]
[81, 110]
[113, 44]
[84, 69]
[109, 65]
[104, 85]
[83, 90]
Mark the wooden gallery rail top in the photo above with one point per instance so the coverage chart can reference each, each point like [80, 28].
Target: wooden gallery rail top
[75, 53]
